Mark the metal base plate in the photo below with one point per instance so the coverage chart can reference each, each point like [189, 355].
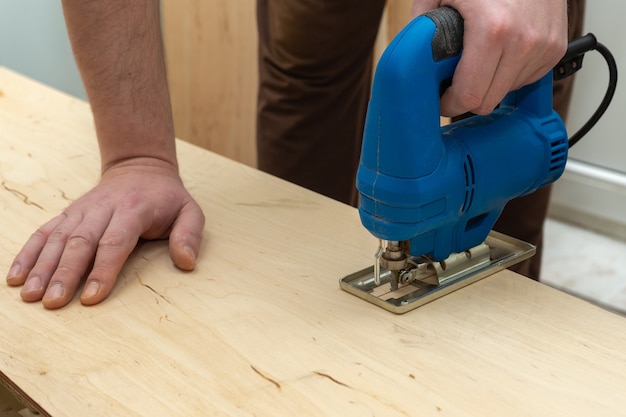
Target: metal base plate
[504, 251]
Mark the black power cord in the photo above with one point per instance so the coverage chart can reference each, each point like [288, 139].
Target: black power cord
[572, 62]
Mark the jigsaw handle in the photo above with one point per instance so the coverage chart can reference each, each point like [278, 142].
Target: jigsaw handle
[408, 82]
[447, 41]
[405, 94]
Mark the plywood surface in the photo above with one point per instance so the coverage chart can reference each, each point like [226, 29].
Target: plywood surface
[261, 327]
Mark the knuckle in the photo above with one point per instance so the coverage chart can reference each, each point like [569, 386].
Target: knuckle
[558, 49]
[57, 236]
[43, 231]
[483, 110]
[113, 241]
[499, 30]
[54, 231]
[500, 26]
[40, 234]
[110, 241]
[78, 241]
[63, 270]
[469, 100]
[133, 201]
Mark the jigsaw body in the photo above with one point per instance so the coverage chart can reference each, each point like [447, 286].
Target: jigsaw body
[433, 192]
[443, 188]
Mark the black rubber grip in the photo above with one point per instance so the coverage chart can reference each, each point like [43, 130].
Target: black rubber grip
[448, 39]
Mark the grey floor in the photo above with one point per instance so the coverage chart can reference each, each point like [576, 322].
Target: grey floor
[586, 264]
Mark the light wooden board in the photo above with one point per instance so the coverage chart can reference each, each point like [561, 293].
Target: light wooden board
[261, 327]
[211, 56]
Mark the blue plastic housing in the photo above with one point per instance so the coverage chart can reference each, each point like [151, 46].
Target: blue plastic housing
[444, 188]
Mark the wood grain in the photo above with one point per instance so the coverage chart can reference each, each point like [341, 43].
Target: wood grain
[261, 327]
[211, 56]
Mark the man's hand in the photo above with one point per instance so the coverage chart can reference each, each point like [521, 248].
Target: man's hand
[94, 236]
[117, 46]
[507, 44]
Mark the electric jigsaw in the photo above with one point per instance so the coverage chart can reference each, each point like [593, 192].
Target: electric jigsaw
[434, 193]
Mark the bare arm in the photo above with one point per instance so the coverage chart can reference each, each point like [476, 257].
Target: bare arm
[117, 46]
[507, 44]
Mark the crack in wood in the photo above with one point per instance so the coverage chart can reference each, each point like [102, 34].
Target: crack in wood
[322, 374]
[267, 378]
[21, 195]
[64, 196]
[151, 289]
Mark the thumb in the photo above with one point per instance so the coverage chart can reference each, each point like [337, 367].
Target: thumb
[186, 236]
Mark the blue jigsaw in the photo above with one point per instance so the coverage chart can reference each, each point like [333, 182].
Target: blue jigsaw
[433, 193]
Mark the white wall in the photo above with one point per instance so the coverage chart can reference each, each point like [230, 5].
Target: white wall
[592, 192]
[33, 41]
[606, 143]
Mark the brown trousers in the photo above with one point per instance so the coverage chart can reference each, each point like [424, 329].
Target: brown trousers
[315, 66]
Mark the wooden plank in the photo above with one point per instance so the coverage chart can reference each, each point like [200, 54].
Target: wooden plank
[211, 56]
[261, 326]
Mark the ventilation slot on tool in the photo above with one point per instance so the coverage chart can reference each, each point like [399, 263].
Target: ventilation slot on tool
[558, 157]
[470, 184]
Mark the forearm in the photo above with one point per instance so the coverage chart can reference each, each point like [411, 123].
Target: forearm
[118, 50]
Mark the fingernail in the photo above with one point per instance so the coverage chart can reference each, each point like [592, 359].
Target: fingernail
[189, 263]
[55, 291]
[32, 284]
[92, 289]
[14, 271]
[190, 252]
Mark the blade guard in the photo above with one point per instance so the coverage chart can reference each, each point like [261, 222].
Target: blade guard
[444, 188]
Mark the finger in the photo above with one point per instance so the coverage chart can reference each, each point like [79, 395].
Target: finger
[48, 260]
[186, 236]
[529, 77]
[116, 244]
[515, 66]
[27, 257]
[78, 253]
[501, 85]
[475, 71]
[470, 84]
